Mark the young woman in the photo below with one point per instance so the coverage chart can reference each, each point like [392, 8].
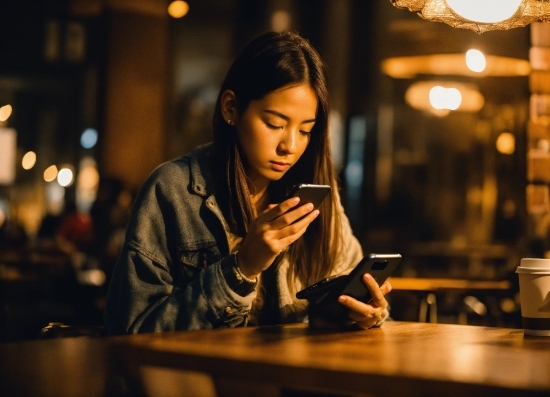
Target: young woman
[213, 241]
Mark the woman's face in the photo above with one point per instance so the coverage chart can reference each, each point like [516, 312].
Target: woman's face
[274, 132]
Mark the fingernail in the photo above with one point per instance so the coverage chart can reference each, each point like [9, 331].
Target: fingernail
[316, 213]
[367, 277]
[310, 206]
[342, 298]
[296, 199]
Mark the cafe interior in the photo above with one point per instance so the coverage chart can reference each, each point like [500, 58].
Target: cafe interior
[440, 133]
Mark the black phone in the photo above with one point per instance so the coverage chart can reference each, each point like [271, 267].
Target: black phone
[379, 266]
[309, 193]
[325, 292]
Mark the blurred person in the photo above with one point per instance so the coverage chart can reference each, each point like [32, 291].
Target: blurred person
[212, 242]
[74, 232]
[109, 214]
[12, 233]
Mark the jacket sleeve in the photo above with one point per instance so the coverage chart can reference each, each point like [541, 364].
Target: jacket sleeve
[144, 298]
[148, 292]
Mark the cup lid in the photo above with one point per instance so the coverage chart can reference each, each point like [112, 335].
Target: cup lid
[539, 263]
[532, 270]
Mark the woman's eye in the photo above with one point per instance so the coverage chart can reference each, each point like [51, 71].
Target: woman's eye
[306, 133]
[273, 127]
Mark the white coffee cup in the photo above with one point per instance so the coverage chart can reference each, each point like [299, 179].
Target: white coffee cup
[534, 294]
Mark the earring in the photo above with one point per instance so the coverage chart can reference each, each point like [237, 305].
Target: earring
[229, 122]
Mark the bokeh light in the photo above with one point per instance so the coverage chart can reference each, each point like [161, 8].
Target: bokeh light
[87, 183]
[445, 98]
[5, 112]
[506, 143]
[65, 177]
[88, 139]
[475, 60]
[29, 160]
[55, 198]
[178, 9]
[50, 173]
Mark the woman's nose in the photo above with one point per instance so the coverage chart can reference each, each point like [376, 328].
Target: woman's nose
[288, 141]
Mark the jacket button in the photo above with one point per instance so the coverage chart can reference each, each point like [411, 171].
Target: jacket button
[228, 310]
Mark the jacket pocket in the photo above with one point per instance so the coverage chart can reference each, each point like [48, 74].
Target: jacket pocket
[195, 257]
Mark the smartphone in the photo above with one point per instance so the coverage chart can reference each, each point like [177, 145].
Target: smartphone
[325, 292]
[310, 193]
[379, 266]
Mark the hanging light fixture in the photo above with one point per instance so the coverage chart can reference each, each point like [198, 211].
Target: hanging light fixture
[480, 16]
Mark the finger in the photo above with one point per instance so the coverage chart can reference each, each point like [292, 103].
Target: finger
[378, 299]
[371, 318]
[288, 211]
[386, 287]
[357, 308]
[361, 312]
[290, 233]
[296, 217]
[273, 211]
[286, 205]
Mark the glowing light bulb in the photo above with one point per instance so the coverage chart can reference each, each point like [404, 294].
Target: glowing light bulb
[485, 11]
[178, 9]
[475, 60]
[445, 98]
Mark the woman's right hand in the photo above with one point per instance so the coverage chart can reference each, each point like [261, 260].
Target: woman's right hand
[271, 232]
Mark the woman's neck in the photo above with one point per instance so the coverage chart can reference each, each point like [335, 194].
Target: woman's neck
[259, 198]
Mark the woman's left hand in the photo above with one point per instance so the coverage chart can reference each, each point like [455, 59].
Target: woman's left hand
[367, 315]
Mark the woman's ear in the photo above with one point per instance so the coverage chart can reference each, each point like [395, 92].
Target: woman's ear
[229, 107]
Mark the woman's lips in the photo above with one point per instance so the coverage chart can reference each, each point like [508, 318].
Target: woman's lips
[277, 166]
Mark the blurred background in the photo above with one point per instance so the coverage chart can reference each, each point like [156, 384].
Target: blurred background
[94, 94]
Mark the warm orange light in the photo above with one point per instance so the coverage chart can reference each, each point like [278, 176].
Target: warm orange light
[178, 9]
[88, 178]
[452, 65]
[506, 143]
[5, 112]
[29, 160]
[50, 173]
[440, 97]
[487, 11]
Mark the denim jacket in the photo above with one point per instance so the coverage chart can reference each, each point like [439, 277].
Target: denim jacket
[174, 270]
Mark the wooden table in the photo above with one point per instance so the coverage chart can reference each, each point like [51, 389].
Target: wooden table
[398, 359]
[55, 367]
[446, 284]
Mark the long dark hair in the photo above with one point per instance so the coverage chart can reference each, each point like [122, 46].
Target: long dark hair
[267, 63]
